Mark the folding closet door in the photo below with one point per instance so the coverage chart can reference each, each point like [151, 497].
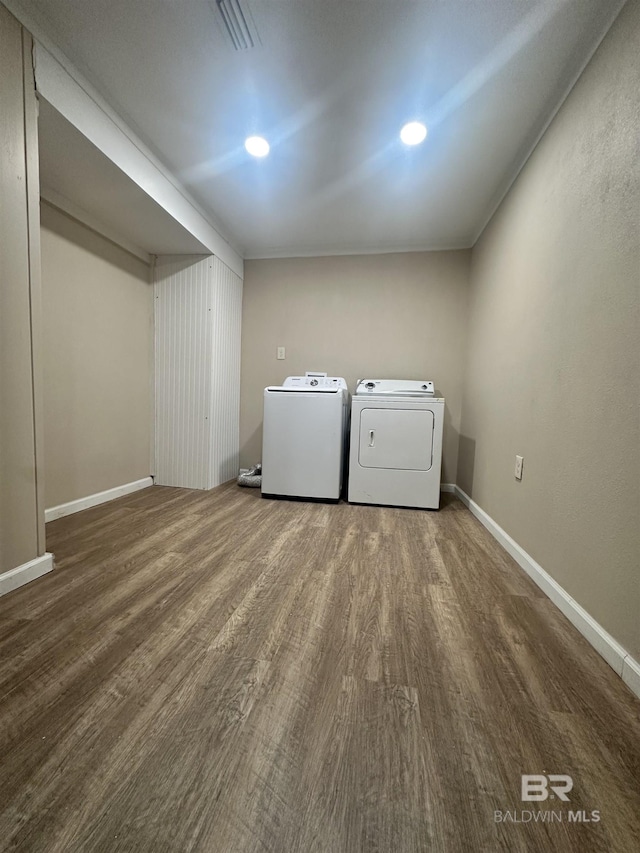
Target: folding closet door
[198, 303]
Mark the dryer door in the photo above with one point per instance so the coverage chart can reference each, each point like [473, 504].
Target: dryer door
[401, 439]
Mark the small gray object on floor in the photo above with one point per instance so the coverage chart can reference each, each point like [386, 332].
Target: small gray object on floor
[251, 478]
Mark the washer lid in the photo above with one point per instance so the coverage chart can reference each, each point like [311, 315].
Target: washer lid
[396, 387]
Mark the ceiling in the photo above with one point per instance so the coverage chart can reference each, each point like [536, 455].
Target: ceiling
[330, 86]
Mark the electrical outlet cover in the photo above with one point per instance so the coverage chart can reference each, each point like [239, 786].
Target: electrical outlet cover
[519, 464]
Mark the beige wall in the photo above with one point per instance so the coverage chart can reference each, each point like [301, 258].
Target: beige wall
[554, 346]
[383, 316]
[21, 513]
[97, 348]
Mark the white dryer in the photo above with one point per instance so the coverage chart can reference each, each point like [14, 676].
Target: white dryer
[304, 436]
[396, 443]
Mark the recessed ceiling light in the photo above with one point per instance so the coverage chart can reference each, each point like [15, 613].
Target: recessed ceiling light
[413, 133]
[256, 146]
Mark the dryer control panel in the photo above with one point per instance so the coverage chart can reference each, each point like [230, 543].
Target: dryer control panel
[396, 387]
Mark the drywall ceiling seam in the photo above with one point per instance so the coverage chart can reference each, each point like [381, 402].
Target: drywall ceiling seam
[273, 254]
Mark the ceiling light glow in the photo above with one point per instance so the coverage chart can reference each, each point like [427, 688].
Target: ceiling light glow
[256, 146]
[413, 133]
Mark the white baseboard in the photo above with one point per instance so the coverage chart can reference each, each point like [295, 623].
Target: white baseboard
[631, 674]
[615, 655]
[93, 500]
[25, 573]
[448, 487]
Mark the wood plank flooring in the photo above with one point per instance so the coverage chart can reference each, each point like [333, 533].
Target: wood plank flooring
[216, 672]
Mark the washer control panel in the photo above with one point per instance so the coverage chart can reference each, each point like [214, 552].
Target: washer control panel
[314, 382]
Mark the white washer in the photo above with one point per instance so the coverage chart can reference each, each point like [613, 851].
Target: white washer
[304, 436]
[396, 443]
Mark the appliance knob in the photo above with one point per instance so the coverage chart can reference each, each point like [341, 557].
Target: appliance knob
[425, 387]
[370, 385]
[313, 382]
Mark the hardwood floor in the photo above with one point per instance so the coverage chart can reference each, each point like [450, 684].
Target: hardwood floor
[211, 671]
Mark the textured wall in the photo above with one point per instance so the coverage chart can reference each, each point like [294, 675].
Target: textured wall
[97, 350]
[553, 368]
[386, 316]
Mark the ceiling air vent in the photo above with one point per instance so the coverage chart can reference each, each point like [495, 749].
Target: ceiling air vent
[238, 24]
